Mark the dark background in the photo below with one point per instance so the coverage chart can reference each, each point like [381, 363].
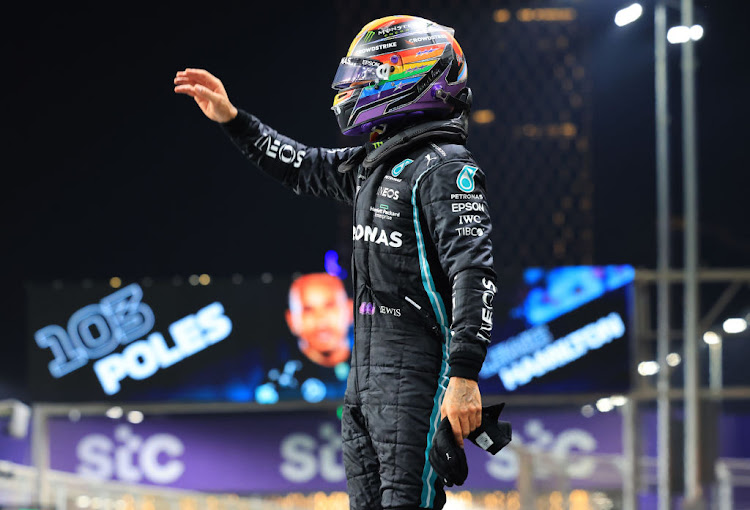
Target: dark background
[107, 172]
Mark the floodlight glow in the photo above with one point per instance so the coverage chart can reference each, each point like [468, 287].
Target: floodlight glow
[604, 405]
[646, 368]
[711, 338]
[135, 417]
[683, 34]
[618, 400]
[696, 32]
[114, 412]
[587, 410]
[678, 35]
[673, 359]
[735, 325]
[628, 15]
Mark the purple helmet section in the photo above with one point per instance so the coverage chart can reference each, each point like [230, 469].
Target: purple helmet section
[426, 102]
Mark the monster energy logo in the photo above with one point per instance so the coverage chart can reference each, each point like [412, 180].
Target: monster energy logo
[368, 36]
[377, 144]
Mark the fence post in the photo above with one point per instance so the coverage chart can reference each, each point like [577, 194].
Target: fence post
[724, 484]
[525, 482]
[40, 452]
[630, 454]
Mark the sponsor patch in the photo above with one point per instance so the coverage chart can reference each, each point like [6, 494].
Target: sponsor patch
[470, 231]
[465, 179]
[273, 148]
[387, 310]
[367, 309]
[458, 207]
[387, 192]
[376, 235]
[384, 213]
[396, 170]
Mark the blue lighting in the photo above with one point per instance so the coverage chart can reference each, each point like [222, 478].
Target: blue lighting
[342, 371]
[313, 390]
[238, 392]
[558, 291]
[266, 394]
[331, 264]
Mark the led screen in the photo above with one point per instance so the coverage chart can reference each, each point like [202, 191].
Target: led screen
[557, 330]
[220, 342]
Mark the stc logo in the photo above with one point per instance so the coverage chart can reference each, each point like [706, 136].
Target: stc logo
[130, 457]
[95, 331]
[306, 456]
[533, 435]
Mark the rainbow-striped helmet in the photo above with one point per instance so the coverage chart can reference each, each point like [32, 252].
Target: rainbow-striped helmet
[398, 66]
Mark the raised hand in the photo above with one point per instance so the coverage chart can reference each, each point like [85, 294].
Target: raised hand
[208, 92]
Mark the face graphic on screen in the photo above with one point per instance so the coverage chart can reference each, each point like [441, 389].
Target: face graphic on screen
[319, 315]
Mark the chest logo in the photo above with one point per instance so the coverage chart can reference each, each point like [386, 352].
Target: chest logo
[400, 167]
[377, 236]
[387, 192]
[465, 179]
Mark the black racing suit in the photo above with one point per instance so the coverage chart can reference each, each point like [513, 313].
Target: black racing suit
[423, 289]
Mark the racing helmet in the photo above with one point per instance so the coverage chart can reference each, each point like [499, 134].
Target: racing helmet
[399, 68]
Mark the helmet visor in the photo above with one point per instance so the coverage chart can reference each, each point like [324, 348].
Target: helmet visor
[355, 71]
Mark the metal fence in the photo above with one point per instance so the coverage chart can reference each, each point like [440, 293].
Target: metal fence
[20, 487]
[546, 481]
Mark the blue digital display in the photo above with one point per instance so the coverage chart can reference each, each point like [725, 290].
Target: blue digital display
[557, 291]
[221, 342]
[564, 329]
[556, 330]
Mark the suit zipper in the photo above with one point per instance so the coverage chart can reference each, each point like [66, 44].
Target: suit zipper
[429, 321]
[361, 178]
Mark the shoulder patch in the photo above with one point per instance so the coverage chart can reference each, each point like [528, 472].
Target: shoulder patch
[396, 170]
[465, 179]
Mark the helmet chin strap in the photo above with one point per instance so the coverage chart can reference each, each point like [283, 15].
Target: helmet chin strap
[456, 101]
[377, 132]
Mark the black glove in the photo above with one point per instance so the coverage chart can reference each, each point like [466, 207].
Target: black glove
[492, 435]
[446, 457]
[449, 460]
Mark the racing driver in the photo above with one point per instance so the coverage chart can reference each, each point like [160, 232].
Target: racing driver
[423, 273]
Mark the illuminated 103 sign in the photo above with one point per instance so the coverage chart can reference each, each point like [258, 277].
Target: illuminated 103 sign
[95, 331]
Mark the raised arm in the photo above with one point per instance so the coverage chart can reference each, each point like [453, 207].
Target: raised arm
[306, 170]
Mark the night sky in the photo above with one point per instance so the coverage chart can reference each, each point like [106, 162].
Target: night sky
[108, 172]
